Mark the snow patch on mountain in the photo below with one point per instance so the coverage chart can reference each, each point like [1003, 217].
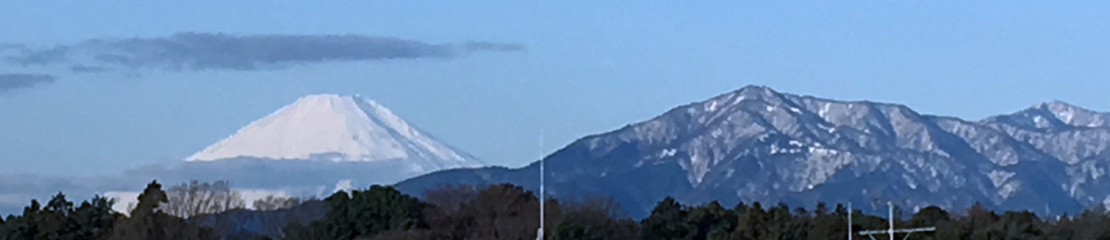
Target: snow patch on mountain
[998, 177]
[1075, 116]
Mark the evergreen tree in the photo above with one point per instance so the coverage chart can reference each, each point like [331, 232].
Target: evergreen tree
[1020, 225]
[368, 213]
[828, 225]
[710, 219]
[312, 231]
[981, 223]
[752, 223]
[95, 218]
[779, 226]
[53, 221]
[928, 216]
[666, 221]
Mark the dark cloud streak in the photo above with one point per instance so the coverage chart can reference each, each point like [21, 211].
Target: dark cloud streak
[28, 57]
[203, 51]
[11, 46]
[15, 81]
[492, 46]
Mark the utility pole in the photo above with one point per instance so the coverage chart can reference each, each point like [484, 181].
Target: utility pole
[891, 231]
[849, 220]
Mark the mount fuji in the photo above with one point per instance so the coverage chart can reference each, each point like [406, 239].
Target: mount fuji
[336, 128]
[316, 145]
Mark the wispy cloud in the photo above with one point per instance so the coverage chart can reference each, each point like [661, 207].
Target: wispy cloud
[27, 56]
[81, 68]
[192, 51]
[492, 46]
[15, 81]
[4, 47]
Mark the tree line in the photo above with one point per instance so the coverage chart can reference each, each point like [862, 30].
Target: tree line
[507, 211]
[95, 219]
[197, 198]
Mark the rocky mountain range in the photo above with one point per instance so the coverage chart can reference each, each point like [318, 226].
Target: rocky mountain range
[757, 144]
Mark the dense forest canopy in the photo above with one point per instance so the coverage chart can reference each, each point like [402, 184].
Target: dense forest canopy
[510, 212]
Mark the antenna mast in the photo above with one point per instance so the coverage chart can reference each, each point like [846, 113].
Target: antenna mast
[892, 230]
[539, 234]
[849, 220]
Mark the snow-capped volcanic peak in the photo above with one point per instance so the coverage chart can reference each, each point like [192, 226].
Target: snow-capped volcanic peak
[337, 128]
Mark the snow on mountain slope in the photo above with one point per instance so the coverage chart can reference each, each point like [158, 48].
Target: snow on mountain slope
[339, 129]
[757, 144]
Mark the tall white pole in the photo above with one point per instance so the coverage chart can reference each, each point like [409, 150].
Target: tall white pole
[891, 205]
[539, 235]
[849, 220]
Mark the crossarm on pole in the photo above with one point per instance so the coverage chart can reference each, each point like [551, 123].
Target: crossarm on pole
[910, 230]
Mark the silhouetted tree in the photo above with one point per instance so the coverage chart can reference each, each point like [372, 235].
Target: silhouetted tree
[59, 219]
[501, 211]
[828, 225]
[368, 213]
[270, 203]
[710, 219]
[401, 235]
[148, 222]
[928, 216]
[667, 221]
[313, 231]
[509, 212]
[596, 218]
[751, 222]
[450, 198]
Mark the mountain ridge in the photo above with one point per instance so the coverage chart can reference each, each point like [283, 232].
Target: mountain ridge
[757, 144]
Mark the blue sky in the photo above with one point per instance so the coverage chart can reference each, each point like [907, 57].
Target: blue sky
[589, 67]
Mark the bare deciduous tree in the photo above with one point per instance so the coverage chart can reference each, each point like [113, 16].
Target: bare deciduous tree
[196, 198]
[450, 198]
[601, 206]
